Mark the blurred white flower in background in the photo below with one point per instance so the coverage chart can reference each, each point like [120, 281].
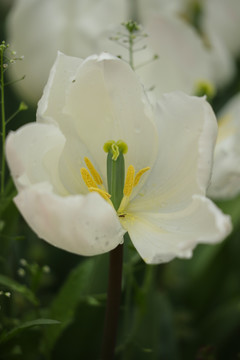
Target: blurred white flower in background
[183, 61]
[225, 182]
[85, 104]
[222, 18]
[208, 17]
[38, 29]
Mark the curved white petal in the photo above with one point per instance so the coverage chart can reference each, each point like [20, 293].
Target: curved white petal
[225, 182]
[148, 8]
[223, 18]
[84, 225]
[187, 131]
[159, 237]
[33, 154]
[223, 65]
[38, 29]
[107, 102]
[50, 106]
[183, 59]
[50, 110]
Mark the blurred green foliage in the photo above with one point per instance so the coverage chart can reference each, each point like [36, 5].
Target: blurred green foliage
[184, 310]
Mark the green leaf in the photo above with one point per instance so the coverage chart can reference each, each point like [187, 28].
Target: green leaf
[17, 330]
[22, 289]
[89, 278]
[231, 207]
[2, 224]
[5, 202]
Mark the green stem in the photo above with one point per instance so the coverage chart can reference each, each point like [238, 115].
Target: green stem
[3, 124]
[131, 51]
[113, 303]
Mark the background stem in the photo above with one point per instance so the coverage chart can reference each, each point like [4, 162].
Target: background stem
[3, 131]
[113, 303]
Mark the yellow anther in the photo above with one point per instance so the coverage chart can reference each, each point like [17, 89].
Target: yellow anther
[93, 171]
[101, 192]
[139, 174]
[88, 179]
[129, 181]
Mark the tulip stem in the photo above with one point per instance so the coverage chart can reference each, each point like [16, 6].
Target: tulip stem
[113, 303]
[3, 130]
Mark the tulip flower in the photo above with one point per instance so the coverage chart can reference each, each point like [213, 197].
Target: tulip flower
[203, 51]
[222, 18]
[183, 61]
[101, 161]
[38, 29]
[225, 182]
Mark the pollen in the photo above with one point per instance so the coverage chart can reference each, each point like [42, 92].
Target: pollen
[139, 175]
[129, 181]
[87, 178]
[97, 178]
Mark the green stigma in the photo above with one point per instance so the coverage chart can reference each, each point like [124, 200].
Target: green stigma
[115, 148]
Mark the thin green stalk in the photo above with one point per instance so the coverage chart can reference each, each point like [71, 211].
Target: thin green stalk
[131, 43]
[3, 123]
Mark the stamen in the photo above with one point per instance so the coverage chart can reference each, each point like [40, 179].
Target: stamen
[129, 181]
[93, 171]
[101, 192]
[88, 179]
[139, 174]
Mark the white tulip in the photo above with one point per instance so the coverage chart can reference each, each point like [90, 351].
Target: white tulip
[38, 29]
[163, 207]
[183, 61]
[218, 23]
[225, 182]
[222, 18]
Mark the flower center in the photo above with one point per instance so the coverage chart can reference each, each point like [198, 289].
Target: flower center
[119, 187]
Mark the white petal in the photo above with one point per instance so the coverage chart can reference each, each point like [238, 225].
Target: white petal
[159, 237]
[183, 59]
[38, 29]
[85, 225]
[187, 131]
[107, 102]
[225, 182]
[223, 18]
[52, 102]
[33, 154]
[150, 7]
[50, 110]
[223, 65]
